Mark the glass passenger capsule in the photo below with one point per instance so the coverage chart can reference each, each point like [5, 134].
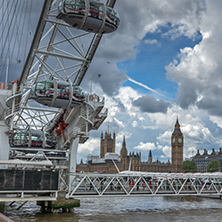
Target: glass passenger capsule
[57, 94]
[89, 15]
[31, 138]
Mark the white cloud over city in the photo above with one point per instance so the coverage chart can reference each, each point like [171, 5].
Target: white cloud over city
[145, 118]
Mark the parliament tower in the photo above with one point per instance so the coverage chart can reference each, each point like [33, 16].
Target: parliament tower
[177, 148]
[107, 144]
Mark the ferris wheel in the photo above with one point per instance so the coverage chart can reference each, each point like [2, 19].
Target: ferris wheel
[48, 110]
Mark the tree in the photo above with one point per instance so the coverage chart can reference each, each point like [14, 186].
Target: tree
[213, 166]
[189, 166]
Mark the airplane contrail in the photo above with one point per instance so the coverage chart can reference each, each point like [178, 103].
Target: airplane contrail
[144, 86]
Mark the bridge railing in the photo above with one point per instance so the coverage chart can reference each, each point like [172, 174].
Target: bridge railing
[85, 184]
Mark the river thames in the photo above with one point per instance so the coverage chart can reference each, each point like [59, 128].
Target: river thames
[124, 209]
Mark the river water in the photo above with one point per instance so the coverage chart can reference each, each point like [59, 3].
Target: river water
[124, 209]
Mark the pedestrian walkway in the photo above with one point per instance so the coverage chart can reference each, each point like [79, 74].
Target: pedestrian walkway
[146, 184]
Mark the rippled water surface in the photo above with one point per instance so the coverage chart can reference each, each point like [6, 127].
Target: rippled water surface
[131, 209]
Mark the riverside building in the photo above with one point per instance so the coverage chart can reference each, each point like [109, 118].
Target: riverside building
[202, 160]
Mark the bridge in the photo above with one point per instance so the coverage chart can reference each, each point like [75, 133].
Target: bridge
[124, 184]
[132, 183]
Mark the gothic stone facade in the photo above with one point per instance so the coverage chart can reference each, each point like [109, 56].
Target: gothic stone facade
[133, 160]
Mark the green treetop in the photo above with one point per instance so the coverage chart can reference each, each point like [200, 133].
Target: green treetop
[213, 166]
[189, 166]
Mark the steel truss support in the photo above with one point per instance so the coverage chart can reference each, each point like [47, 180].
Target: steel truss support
[72, 160]
[148, 184]
[58, 52]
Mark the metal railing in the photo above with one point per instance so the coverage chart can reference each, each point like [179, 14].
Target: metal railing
[147, 184]
[27, 195]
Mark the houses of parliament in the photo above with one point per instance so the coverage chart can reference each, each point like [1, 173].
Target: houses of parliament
[105, 162]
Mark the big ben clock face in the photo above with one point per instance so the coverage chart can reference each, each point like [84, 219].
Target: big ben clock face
[180, 140]
[173, 140]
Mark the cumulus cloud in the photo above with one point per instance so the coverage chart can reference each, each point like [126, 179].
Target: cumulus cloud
[165, 136]
[118, 147]
[145, 146]
[125, 98]
[150, 104]
[184, 18]
[167, 151]
[198, 69]
[111, 78]
[216, 120]
[212, 105]
[90, 146]
[198, 132]
[151, 41]
[190, 152]
[184, 15]
[134, 124]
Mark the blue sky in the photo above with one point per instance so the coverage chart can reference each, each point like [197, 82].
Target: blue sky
[155, 51]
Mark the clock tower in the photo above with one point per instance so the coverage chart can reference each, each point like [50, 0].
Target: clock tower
[177, 148]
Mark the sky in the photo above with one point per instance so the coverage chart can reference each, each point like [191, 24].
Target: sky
[162, 63]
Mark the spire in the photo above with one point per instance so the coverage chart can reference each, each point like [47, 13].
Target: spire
[177, 123]
[150, 154]
[205, 152]
[177, 128]
[150, 158]
[124, 141]
[123, 152]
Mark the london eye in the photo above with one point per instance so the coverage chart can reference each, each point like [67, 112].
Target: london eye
[45, 107]
[91, 16]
